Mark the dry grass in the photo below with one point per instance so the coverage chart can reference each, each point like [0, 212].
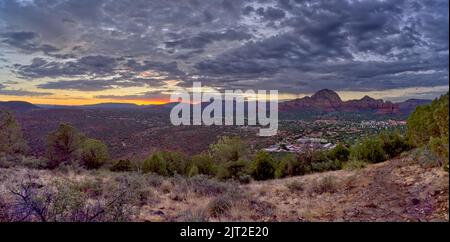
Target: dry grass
[347, 195]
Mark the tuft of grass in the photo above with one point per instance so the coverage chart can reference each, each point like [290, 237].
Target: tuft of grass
[203, 186]
[352, 165]
[193, 215]
[166, 187]
[425, 157]
[295, 186]
[325, 185]
[219, 206]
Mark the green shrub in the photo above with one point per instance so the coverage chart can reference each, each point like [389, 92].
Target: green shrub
[11, 138]
[440, 145]
[93, 154]
[302, 165]
[155, 164]
[421, 125]
[369, 150]
[340, 153]
[319, 156]
[295, 165]
[232, 169]
[228, 149]
[263, 167]
[193, 171]
[426, 158]
[176, 163]
[428, 126]
[281, 169]
[328, 165]
[122, 166]
[394, 143]
[354, 165]
[204, 163]
[166, 163]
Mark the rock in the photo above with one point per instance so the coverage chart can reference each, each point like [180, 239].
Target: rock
[159, 212]
[371, 205]
[397, 210]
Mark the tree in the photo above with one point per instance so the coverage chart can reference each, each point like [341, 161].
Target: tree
[340, 153]
[421, 125]
[64, 145]
[428, 126]
[440, 145]
[176, 162]
[11, 138]
[263, 167]
[281, 170]
[204, 163]
[156, 164]
[228, 149]
[94, 154]
[394, 143]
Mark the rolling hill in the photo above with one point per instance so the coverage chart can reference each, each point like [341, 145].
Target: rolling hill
[18, 105]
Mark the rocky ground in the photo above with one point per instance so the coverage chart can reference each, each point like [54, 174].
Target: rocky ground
[396, 190]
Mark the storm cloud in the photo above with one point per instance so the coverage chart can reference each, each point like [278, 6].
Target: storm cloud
[20, 92]
[290, 45]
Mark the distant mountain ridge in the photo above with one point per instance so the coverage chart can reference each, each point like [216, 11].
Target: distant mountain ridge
[329, 101]
[325, 100]
[410, 105]
[98, 106]
[18, 105]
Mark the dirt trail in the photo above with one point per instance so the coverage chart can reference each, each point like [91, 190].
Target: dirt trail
[396, 190]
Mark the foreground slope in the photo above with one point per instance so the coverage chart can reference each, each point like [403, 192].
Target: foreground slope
[396, 190]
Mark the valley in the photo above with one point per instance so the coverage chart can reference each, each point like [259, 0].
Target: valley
[132, 131]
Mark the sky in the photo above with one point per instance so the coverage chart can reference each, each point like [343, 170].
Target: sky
[84, 51]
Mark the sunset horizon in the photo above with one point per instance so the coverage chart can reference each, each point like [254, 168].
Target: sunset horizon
[399, 51]
[242, 113]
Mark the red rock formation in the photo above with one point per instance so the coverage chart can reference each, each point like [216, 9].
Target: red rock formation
[328, 100]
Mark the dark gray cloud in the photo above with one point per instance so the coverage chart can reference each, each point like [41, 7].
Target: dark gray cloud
[26, 41]
[20, 92]
[290, 45]
[204, 38]
[104, 72]
[98, 84]
[364, 45]
[271, 13]
[88, 65]
[80, 85]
